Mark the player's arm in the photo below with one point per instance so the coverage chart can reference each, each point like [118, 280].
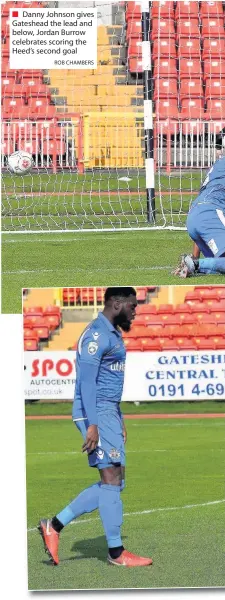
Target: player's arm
[196, 251]
[90, 358]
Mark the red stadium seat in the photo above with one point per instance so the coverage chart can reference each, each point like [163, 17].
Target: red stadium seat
[219, 344]
[23, 130]
[182, 308]
[165, 67]
[10, 89]
[205, 344]
[135, 65]
[221, 292]
[165, 309]
[155, 329]
[215, 88]
[188, 28]
[133, 29]
[211, 9]
[37, 311]
[149, 345]
[213, 48]
[141, 294]
[165, 88]
[25, 77]
[8, 76]
[206, 318]
[162, 8]
[163, 47]
[134, 48]
[52, 321]
[52, 147]
[146, 309]
[35, 90]
[29, 334]
[140, 320]
[190, 68]
[181, 331]
[168, 345]
[189, 48]
[12, 106]
[30, 345]
[42, 332]
[214, 68]
[166, 109]
[193, 296]
[169, 319]
[40, 110]
[186, 343]
[133, 10]
[213, 28]
[32, 146]
[215, 109]
[199, 307]
[192, 108]
[133, 345]
[208, 294]
[162, 28]
[186, 10]
[138, 332]
[191, 88]
[52, 310]
[186, 319]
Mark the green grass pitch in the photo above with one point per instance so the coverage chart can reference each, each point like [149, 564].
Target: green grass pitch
[173, 505]
[87, 259]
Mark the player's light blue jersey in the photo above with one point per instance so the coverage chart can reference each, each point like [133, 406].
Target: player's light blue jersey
[100, 365]
[212, 190]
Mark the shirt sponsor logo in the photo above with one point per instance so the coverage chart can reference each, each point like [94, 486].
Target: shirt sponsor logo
[118, 366]
[114, 453]
[92, 348]
[213, 247]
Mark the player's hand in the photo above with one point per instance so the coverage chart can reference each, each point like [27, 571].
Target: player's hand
[91, 439]
[124, 433]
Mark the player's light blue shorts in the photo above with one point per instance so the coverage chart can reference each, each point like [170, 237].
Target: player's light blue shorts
[110, 449]
[206, 227]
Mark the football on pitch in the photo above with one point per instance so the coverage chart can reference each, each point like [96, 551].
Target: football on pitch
[20, 162]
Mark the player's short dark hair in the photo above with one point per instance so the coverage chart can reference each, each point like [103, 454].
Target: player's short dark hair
[119, 292]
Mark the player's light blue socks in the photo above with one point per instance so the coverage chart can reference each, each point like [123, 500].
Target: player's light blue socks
[211, 265]
[86, 502]
[111, 513]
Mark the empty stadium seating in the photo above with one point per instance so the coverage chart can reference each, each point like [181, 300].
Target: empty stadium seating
[193, 34]
[198, 323]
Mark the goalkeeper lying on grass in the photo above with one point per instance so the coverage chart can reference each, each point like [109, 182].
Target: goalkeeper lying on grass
[206, 226]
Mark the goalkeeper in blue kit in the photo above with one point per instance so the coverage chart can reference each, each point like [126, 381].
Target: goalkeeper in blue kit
[206, 226]
[100, 365]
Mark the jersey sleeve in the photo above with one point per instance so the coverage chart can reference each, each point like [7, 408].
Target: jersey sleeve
[91, 352]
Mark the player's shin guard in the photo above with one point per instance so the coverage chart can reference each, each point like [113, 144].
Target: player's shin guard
[111, 513]
[86, 502]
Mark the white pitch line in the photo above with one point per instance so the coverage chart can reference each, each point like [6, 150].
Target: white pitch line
[147, 512]
[81, 454]
[85, 270]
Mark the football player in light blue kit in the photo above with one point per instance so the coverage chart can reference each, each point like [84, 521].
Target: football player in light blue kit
[206, 226]
[100, 365]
